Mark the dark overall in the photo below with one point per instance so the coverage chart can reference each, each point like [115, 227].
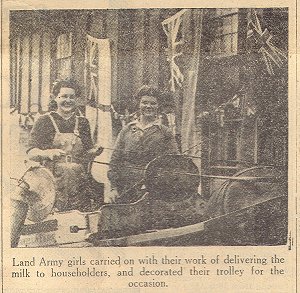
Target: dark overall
[68, 181]
[70, 170]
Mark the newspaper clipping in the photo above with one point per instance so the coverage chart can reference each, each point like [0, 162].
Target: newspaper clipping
[149, 146]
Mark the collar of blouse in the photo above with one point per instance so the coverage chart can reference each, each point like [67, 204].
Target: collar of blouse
[135, 125]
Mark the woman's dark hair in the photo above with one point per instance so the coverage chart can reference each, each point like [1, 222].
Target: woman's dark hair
[147, 90]
[150, 91]
[69, 83]
[165, 99]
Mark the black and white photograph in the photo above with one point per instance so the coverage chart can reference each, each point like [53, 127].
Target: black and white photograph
[149, 127]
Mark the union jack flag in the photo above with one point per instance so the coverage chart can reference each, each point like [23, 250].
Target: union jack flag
[171, 27]
[271, 55]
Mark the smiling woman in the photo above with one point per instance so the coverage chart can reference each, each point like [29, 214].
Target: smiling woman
[60, 141]
[148, 107]
[61, 133]
[66, 101]
[138, 143]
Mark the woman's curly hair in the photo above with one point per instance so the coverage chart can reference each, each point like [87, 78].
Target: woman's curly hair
[68, 83]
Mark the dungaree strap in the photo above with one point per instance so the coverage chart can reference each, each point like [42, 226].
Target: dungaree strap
[54, 123]
[76, 131]
[80, 113]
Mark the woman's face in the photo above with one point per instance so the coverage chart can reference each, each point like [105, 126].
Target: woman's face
[66, 100]
[148, 106]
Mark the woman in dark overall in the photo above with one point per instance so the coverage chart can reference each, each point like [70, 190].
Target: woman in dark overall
[60, 141]
[138, 143]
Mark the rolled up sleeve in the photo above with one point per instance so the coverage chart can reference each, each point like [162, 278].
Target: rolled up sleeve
[42, 134]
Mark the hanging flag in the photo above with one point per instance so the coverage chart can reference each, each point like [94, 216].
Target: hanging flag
[98, 84]
[262, 40]
[184, 31]
[172, 27]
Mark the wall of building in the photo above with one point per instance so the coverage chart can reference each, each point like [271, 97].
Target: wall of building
[138, 56]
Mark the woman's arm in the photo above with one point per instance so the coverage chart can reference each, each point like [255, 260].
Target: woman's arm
[116, 159]
[40, 140]
[38, 155]
[171, 144]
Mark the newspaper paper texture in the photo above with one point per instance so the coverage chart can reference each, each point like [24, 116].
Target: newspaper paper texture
[149, 147]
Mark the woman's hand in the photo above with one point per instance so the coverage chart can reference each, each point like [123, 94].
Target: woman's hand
[39, 155]
[54, 153]
[112, 196]
[96, 151]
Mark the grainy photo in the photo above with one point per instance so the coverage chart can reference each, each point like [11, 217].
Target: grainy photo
[149, 127]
